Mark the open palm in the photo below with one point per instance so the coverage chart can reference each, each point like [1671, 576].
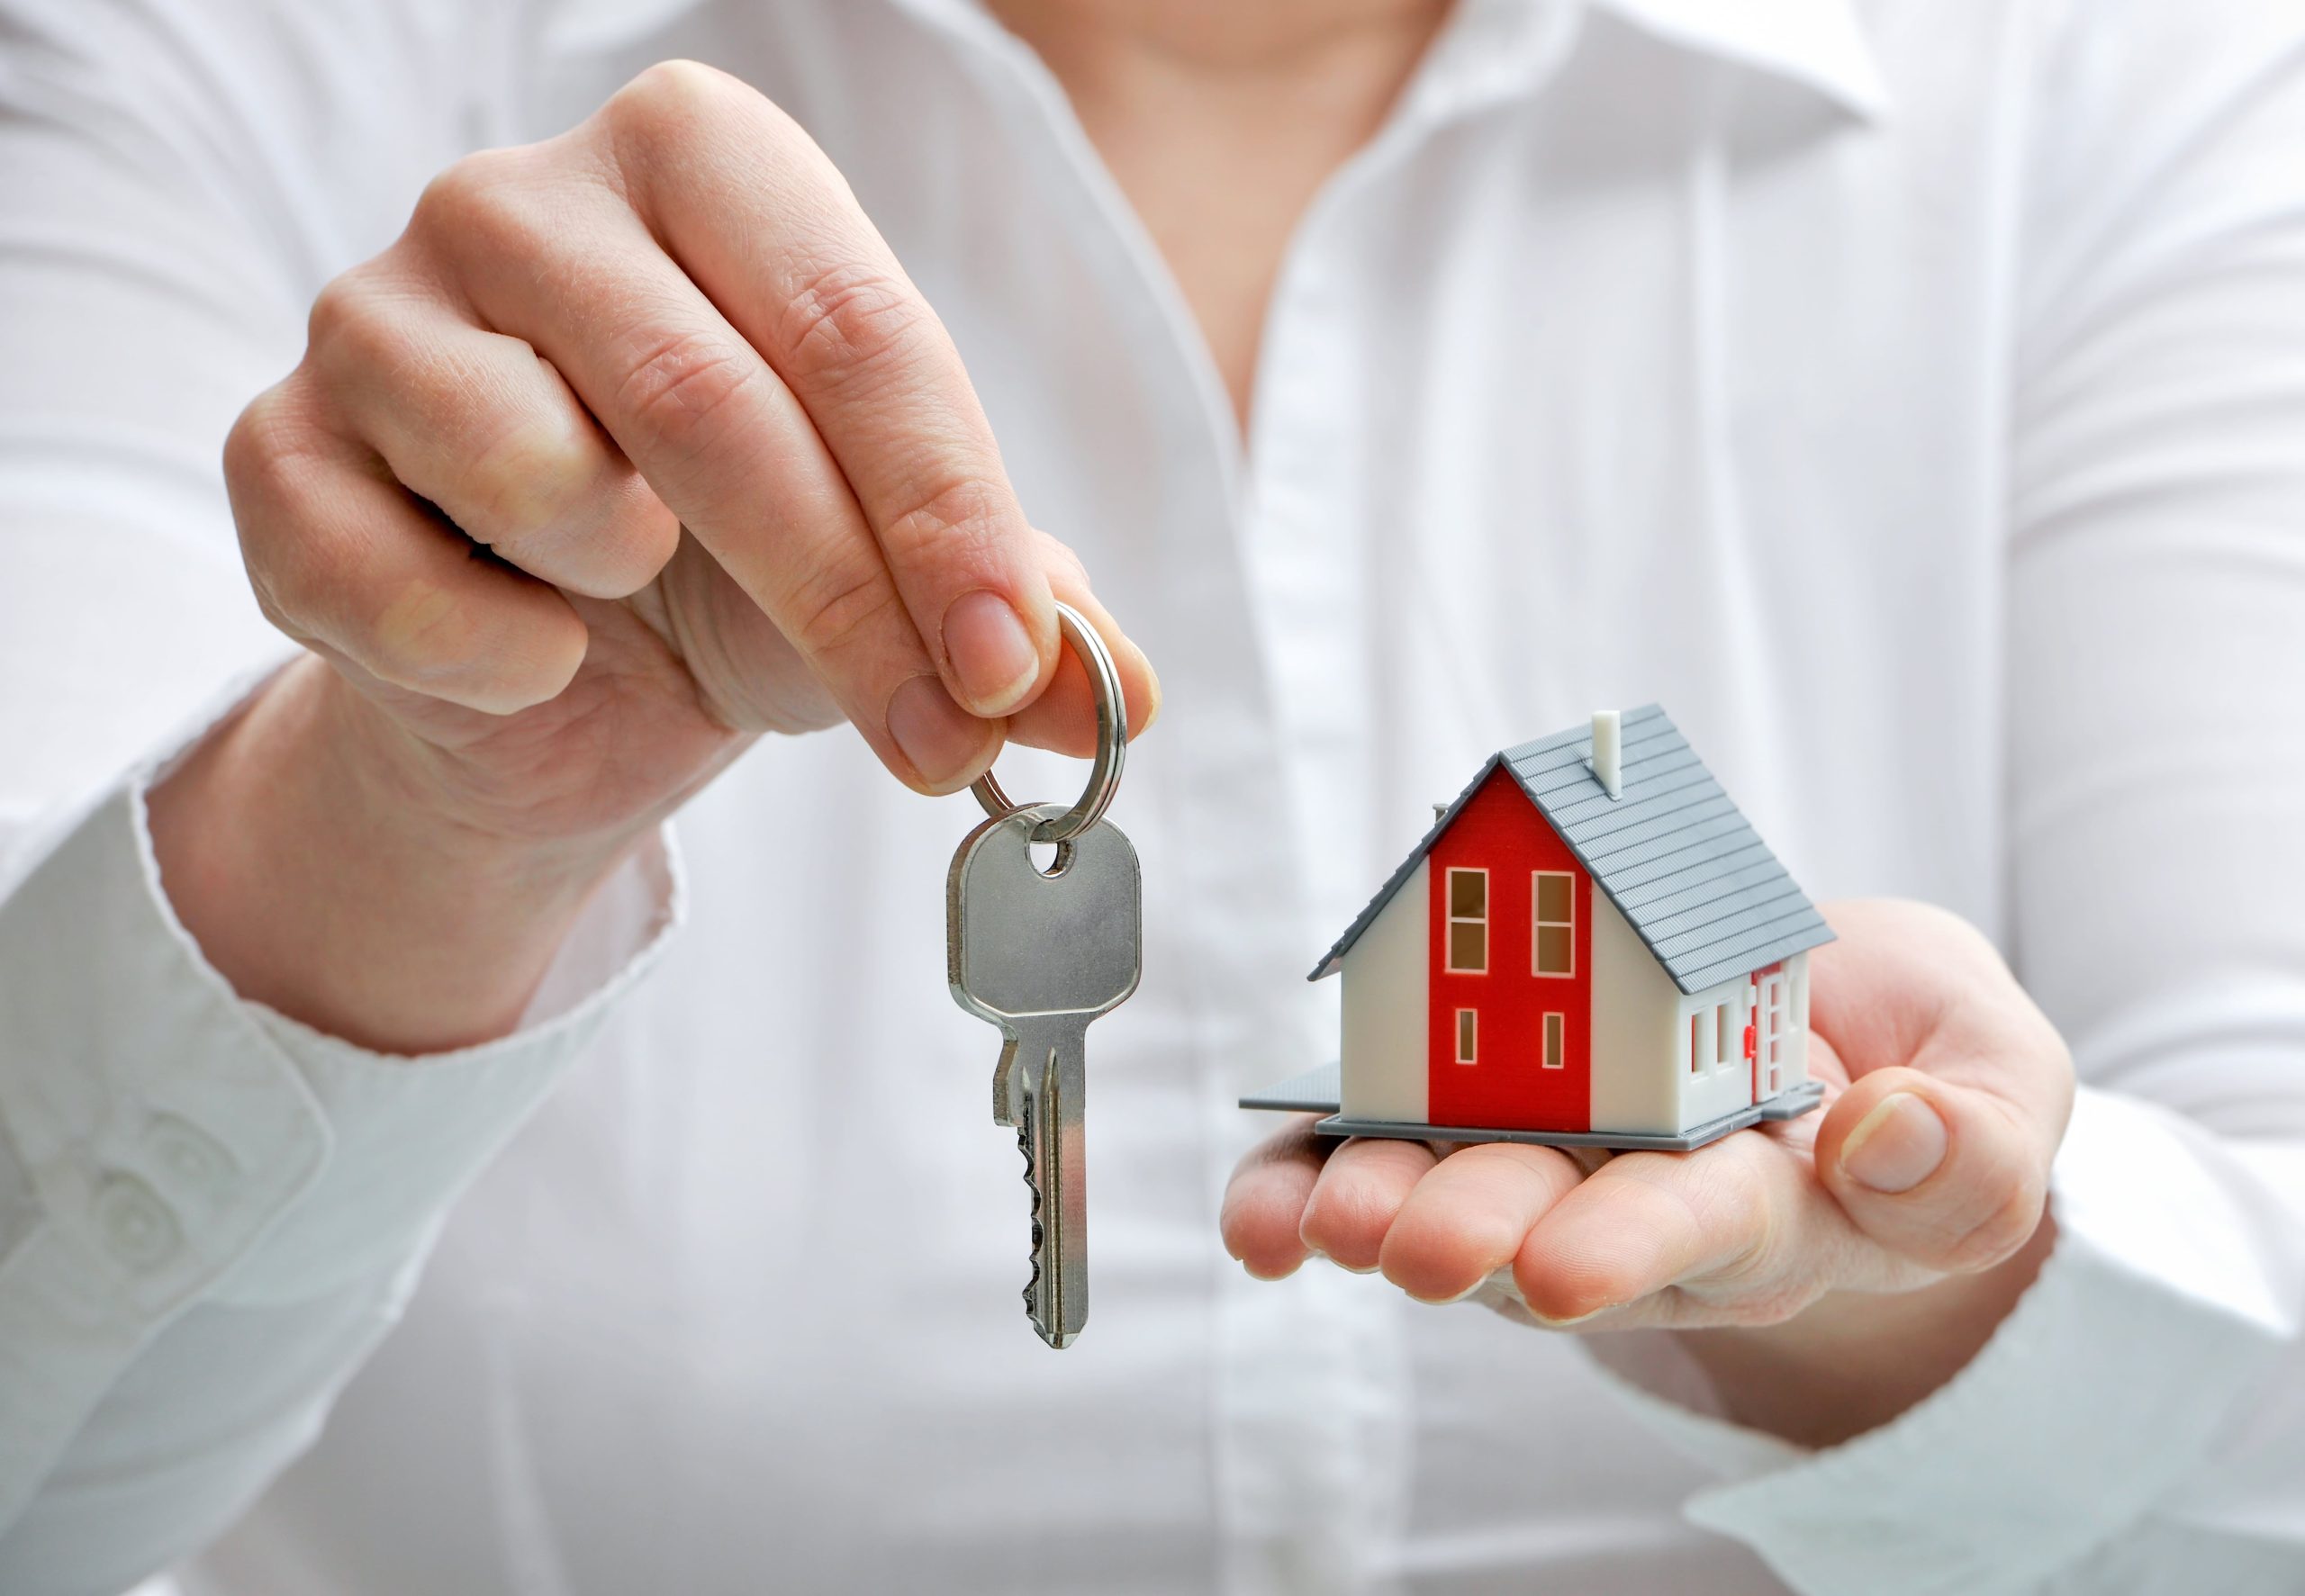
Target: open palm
[1946, 1093]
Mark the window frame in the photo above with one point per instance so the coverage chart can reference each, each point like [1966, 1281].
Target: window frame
[1450, 920]
[1552, 1028]
[1538, 924]
[1468, 1036]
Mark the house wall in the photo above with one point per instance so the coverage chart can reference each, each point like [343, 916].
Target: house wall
[1508, 1087]
[1635, 1003]
[1796, 1041]
[1722, 1083]
[1714, 1080]
[1384, 986]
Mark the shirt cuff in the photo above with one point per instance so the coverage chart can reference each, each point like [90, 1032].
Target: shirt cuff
[2101, 1391]
[164, 1141]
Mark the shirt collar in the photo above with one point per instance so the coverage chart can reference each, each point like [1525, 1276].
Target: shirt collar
[1821, 44]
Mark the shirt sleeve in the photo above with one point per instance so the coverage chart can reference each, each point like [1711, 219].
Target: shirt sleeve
[209, 1215]
[2137, 1423]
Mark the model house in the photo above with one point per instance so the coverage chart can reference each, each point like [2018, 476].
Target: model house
[1591, 945]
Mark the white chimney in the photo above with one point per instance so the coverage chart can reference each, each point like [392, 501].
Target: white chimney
[1606, 763]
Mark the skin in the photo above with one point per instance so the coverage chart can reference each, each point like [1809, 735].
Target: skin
[638, 446]
[1220, 122]
[1828, 1272]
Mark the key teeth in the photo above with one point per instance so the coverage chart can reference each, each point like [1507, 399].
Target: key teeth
[1032, 1185]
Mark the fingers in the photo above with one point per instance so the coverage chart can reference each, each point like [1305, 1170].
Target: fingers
[1645, 1222]
[765, 225]
[1264, 1202]
[1949, 1175]
[716, 434]
[480, 425]
[1064, 717]
[1470, 1216]
[771, 232]
[341, 557]
[1738, 1232]
[1360, 1195]
[1960, 1087]
[695, 274]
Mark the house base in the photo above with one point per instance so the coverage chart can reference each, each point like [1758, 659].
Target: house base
[1318, 1091]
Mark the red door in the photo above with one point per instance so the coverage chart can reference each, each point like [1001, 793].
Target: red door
[1510, 981]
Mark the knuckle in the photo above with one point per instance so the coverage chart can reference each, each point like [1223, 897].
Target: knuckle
[299, 576]
[665, 101]
[351, 322]
[476, 204]
[532, 476]
[1058, 561]
[270, 452]
[276, 470]
[422, 636]
[838, 604]
[680, 392]
[2004, 1228]
[254, 441]
[847, 322]
[962, 520]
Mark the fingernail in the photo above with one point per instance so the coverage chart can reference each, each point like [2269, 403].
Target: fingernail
[1896, 1147]
[1152, 680]
[940, 738]
[990, 651]
[1312, 1251]
[1569, 1323]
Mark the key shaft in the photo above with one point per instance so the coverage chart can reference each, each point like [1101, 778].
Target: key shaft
[1049, 1129]
[1041, 953]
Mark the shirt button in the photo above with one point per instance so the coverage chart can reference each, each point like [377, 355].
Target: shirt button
[189, 1154]
[135, 1223]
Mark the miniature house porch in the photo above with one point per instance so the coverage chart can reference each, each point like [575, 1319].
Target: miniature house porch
[1591, 946]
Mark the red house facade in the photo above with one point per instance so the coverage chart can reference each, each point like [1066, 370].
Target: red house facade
[1509, 952]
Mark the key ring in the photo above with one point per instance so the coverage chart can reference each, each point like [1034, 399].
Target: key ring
[1112, 742]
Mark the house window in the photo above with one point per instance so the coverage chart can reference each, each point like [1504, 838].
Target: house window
[1555, 950]
[1699, 1044]
[1725, 1035]
[1468, 1036]
[1468, 922]
[1556, 1053]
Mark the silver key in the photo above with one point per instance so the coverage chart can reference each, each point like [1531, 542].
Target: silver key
[1041, 954]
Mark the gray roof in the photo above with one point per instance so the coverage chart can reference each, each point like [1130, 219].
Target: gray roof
[1684, 867]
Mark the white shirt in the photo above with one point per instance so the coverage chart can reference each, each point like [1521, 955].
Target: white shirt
[1908, 394]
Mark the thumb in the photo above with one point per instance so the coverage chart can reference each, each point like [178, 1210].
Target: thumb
[1949, 1175]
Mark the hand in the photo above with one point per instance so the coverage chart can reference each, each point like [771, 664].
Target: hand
[1946, 1094]
[638, 443]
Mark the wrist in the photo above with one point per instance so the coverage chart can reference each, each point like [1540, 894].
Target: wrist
[310, 847]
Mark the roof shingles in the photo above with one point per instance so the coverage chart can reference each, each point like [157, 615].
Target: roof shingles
[1685, 868]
